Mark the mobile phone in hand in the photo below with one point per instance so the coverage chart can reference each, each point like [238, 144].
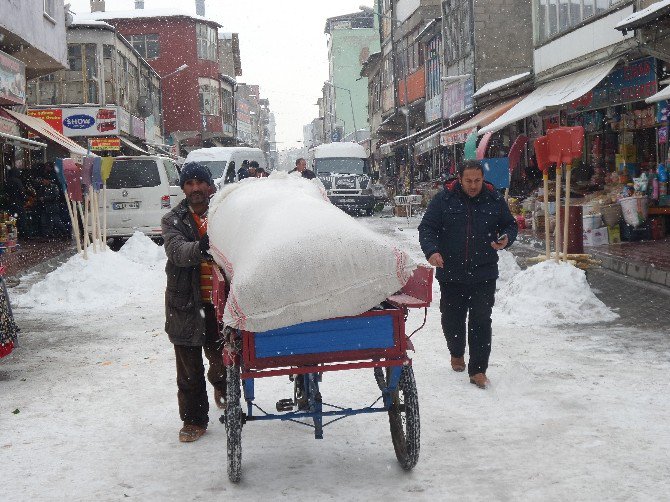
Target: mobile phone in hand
[501, 238]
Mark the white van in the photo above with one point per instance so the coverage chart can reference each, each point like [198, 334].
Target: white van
[224, 162]
[140, 190]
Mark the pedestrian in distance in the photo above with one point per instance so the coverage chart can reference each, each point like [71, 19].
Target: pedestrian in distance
[190, 320]
[244, 171]
[462, 230]
[301, 167]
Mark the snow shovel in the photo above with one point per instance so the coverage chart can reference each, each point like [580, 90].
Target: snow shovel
[60, 174]
[72, 173]
[96, 183]
[543, 164]
[105, 171]
[568, 143]
[559, 149]
[86, 172]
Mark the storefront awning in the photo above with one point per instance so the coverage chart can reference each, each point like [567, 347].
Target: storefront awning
[40, 127]
[133, 146]
[558, 92]
[23, 142]
[387, 147]
[459, 134]
[659, 96]
[427, 144]
[644, 16]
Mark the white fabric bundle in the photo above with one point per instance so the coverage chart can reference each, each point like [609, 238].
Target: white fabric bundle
[291, 256]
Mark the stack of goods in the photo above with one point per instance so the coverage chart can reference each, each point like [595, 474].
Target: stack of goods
[291, 256]
[8, 233]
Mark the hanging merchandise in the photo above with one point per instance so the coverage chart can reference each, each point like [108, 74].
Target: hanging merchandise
[8, 328]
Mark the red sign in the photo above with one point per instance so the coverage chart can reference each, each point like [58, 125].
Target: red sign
[111, 143]
[52, 116]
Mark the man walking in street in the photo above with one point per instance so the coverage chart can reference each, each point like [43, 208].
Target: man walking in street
[464, 227]
[301, 167]
[190, 320]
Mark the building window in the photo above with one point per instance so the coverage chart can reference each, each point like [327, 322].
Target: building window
[433, 67]
[458, 32]
[557, 16]
[146, 45]
[207, 40]
[209, 96]
[74, 57]
[228, 106]
[50, 8]
[82, 79]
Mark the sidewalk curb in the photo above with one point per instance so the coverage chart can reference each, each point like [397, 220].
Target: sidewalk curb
[636, 270]
[42, 268]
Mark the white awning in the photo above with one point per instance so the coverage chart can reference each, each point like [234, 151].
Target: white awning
[40, 127]
[659, 96]
[555, 93]
[644, 16]
[500, 84]
[26, 143]
[132, 145]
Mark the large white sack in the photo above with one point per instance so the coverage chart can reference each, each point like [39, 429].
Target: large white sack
[292, 257]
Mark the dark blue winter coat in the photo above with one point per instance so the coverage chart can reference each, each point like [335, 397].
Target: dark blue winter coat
[461, 228]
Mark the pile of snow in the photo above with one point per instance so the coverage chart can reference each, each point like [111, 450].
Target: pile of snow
[507, 267]
[548, 294]
[293, 257]
[105, 281]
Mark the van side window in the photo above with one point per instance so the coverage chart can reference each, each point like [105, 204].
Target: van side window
[230, 173]
[172, 173]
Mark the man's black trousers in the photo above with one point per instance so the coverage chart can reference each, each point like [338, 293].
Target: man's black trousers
[474, 301]
[191, 385]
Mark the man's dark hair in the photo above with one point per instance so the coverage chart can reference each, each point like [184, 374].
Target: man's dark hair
[254, 164]
[469, 164]
[298, 161]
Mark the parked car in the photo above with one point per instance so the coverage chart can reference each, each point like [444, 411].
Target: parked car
[225, 162]
[140, 190]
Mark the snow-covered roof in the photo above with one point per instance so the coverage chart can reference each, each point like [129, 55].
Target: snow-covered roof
[217, 153]
[343, 149]
[499, 84]
[79, 21]
[641, 17]
[143, 14]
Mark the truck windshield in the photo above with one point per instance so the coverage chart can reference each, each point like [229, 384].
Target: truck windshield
[342, 165]
[216, 167]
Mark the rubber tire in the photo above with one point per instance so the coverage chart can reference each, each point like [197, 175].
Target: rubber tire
[405, 423]
[234, 424]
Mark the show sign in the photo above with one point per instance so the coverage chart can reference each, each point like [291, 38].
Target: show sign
[633, 82]
[80, 120]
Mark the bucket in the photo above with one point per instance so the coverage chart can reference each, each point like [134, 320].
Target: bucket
[591, 221]
[611, 214]
[634, 210]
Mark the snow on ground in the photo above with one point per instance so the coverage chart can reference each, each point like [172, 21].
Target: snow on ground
[89, 408]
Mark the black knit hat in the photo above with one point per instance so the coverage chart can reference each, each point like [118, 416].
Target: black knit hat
[194, 171]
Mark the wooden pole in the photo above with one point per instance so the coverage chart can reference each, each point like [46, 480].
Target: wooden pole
[104, 213]
[547, 238]
[566, 213]
[81, 213]
[72, 211]
[557, 227]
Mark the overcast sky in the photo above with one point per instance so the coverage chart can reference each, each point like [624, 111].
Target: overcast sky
[282, 44]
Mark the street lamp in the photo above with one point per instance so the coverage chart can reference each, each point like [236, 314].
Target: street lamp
[406, 109]
[351, 104]
[181, 68]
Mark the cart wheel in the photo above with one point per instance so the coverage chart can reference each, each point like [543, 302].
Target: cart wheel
[234, 424]
[404, 420]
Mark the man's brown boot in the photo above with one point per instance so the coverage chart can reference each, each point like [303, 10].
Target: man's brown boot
[190, 433]
[458, 363]
[480, 380]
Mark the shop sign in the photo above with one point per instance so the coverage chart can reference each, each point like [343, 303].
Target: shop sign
[428, 144]
[137, 127]
[52, 116]
[456, 137]
[633, 82]
[98, 144]
[457, 97]
[90, 121]
[123, 120]
[434, 109]
[12, 80]
[9, 127]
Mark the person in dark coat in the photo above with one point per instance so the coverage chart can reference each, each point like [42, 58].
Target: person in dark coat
[301, 167]
[244, 171]
[190, 320]
[17, 198]
[464, 227]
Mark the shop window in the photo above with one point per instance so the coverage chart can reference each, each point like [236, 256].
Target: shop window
[206, 40]
[146, 45]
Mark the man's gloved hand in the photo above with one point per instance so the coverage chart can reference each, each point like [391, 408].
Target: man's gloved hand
[204, 244]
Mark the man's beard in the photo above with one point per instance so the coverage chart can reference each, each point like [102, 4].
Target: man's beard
[196, 198]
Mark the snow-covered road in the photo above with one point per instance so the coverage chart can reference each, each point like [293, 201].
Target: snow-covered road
[89, 408]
